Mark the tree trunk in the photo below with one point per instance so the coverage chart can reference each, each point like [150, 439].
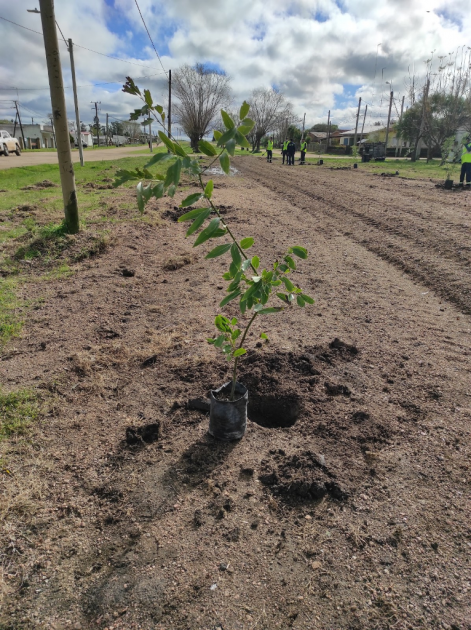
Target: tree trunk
[194, 139]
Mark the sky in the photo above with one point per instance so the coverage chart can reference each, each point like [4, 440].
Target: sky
[322, 54]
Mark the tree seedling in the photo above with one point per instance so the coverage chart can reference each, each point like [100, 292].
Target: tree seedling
[252, 286]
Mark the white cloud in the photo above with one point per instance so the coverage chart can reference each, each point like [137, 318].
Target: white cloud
[321, 53]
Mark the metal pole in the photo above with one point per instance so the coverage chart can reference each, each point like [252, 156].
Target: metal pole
[389, 118]
[400, 118]
[77, 115]
[304, 124]
[356, 125]
[169, 118]
[97, 124]
[59, 112]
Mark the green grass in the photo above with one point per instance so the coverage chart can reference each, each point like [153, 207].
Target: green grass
[17, 411]
[10, 324]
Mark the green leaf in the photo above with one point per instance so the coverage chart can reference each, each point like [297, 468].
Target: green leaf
[190, 200]
[207, 148]
[225, 162]
[255, 262]
[192, 214]
[283, 297]
[171, 190]
[219, 341]
[229, 298]
[256, 278]
[246, 243]
[219, 251]
[217, 134]
[300, 252]
[140, 198]
[307, 299]
[227, 276]
[231, 146]
[290, 261]
[159, 108]
[300, 300]
[228, 122]
[198, 222]
[288, 284]
[236, 334]
[148, 98]
[244, 110]
[242, 140]
[148, 121]
[206, 233]
[218, 233]
[173, 173]
[246, 126]
[230, 133]
[239, 352]
[263, 336]
[124, 176]
[166, 140]
[180, 150]
[158, 157]
[158, 191]
[271, 309]
[222, 323]
[235, 254]
[208, 191]
[246, 265]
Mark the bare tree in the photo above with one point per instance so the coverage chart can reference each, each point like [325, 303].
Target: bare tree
[201, 93]
[270, 111]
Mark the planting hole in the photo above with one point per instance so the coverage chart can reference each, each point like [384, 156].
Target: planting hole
[274, 412]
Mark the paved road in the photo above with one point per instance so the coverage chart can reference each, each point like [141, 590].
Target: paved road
[32, 159]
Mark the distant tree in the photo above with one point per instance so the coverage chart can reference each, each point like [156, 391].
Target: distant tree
[269, 109]
[5, 122]
[201, 93]
[294, 133]
[131, 129]
[324, 127]
[116, 129]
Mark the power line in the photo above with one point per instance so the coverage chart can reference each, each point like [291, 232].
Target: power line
[69, 87]
[145, 25]
[133, 63]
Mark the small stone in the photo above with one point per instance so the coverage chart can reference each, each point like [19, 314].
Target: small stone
[223, 566]
[213, 587]
[316, 565]
[128, 273]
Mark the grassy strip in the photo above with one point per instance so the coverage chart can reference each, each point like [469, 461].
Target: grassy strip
[17, 411]
[10, 324]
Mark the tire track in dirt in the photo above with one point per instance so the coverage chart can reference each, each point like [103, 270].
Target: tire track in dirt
[440, 263]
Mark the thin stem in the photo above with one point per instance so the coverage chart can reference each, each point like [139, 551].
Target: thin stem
[234, 372]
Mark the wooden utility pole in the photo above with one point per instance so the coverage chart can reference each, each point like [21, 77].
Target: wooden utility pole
[304, 125]
[77, 115]
[107, 130]
[150, 137]
[328, 130]
[356, 125]
[59, 112]
[391, 95]
[97, 121]
[363, 125]
[169, 115]
[400, 118]
[21, 126]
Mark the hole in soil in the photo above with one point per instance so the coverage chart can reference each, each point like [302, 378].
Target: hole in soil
[273, 412]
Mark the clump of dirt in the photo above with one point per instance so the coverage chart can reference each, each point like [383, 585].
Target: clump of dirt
[302, 476]
[27, 208]
[41, 185]
[147, 434]
[178, 262]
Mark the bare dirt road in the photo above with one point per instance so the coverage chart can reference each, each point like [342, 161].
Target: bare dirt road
[46, 157]
[352, 516]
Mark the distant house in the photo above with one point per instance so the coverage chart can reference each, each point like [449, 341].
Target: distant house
[37, 136]
[86, 137]
[373, 133]
[321, 136]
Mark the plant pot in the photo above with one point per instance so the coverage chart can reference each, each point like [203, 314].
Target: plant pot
[448, 184]
[228, 418]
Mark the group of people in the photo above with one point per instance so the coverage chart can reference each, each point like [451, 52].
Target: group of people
[288, 151]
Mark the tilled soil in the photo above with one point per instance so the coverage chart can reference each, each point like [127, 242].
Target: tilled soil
[345, 506]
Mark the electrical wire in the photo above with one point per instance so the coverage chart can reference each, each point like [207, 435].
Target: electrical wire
[155, 49]
[69, 87]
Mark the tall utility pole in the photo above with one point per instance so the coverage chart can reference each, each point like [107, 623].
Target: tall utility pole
[328, 130]
[391, 95]
[21, 126]
[169, 118]
[77, 115]
[304, 124]
[97, 121]
[363, 125]
[422, 122]
[356, 125]
[64, 154]
[400, 118]
[107, 130]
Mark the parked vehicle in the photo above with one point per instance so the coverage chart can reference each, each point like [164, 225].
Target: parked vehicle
[8, 144]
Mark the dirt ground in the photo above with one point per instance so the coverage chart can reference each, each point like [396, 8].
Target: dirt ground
[46, 157]
[351, 514]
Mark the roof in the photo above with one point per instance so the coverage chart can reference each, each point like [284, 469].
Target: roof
[367, 129]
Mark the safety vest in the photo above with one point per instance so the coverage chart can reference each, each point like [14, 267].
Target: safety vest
[303, 146]
[466, 153]
[270, 145]
[285, 145]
